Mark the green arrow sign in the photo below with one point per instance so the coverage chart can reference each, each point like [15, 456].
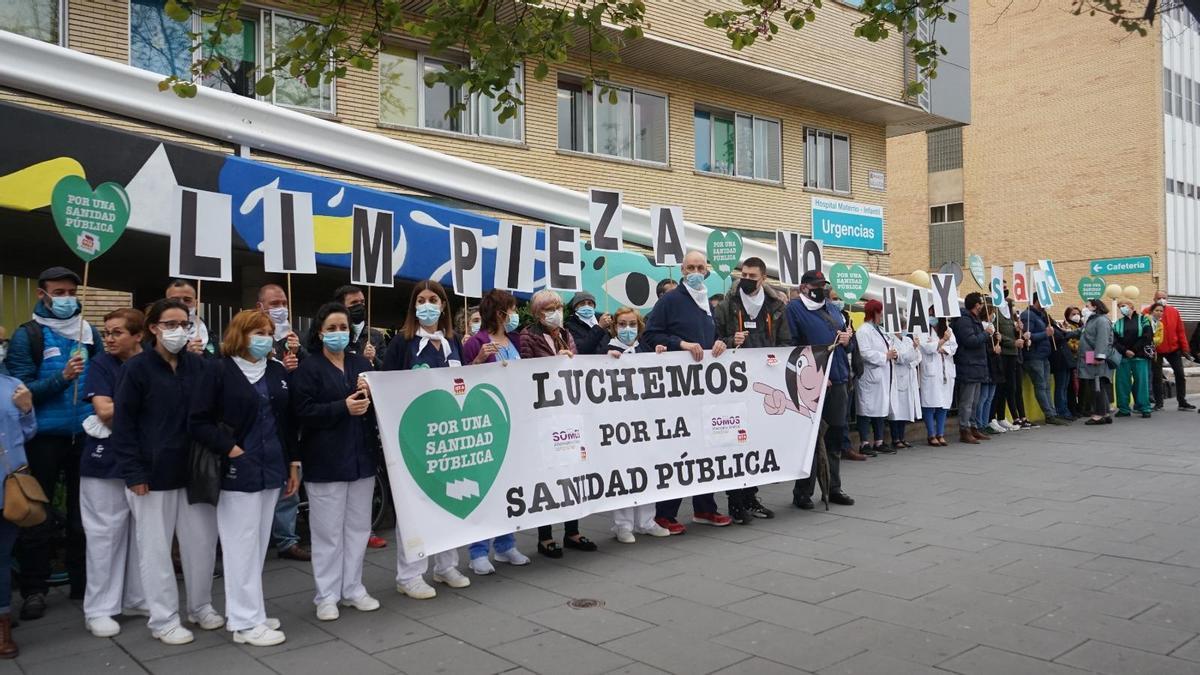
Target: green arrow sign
[1141, 264]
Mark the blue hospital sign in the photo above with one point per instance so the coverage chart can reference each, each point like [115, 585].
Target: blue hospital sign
[847, 224]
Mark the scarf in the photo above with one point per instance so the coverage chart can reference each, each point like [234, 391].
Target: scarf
[426, 336]
[753, 303]
[812, 306]
[625, 349]
[700, 296]
[589, 322]
[253, 371]
[68, 328]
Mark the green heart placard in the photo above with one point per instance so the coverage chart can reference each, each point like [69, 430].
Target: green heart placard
[90, 221]
[724, 252]
[1091, 288]
[454, 452]
[850, 281]
[975, 262]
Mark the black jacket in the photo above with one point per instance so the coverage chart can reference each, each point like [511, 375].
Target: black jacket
[150, 425]
[768, 329]
[970, 361]
[588, 339]
[1133, 333]
[377, 338]
[224, 395]
[334, 445]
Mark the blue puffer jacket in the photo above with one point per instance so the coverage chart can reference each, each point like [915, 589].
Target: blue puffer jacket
[58, 413]
[1035, 325]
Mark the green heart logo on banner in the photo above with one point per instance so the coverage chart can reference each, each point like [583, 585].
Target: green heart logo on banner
[454, 453]
[724, 252]
[1091, 288]
[90, 221]
[850, 281]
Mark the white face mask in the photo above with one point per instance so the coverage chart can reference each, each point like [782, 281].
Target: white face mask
[1087, 313]
[1075, 318]
[553, 318]
[173, 340]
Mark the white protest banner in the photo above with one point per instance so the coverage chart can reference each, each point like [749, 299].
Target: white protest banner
[371, 251]
[604, 213]
[562, 259]
[666, 229]
[1020, 284]
[208, 257]
[479, 451]
[996, 285]
[466, 256]
[514, 257]
[1051, 275]
[288, 245]
[918, 314]
[891, 311]
[1041, 288]
[797, 255]
[945, 295]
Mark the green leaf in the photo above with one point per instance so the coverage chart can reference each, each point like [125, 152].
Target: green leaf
[265, 85]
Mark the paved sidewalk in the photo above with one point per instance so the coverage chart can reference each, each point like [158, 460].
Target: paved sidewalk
[1045, 551]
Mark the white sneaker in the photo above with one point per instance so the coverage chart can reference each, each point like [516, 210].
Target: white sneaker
[364, 604]
[259, 636]
[452, 578]
[512, 556]
[327, 612]
[417, 589]
[175, 635]
[626, 536]
[1008, 426]
[103, 627]
[208, 619]
[482, 566]
[995, 426]
[271, 623]
[656, 530]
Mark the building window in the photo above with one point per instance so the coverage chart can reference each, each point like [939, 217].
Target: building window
[1167, 94]
[826, 160]
[404, 99]
[162, 45]
[619, 122]
[737, 144]
[946, 213]
[944, 149]
[1178, 90]
[279, 29]
[37, 19]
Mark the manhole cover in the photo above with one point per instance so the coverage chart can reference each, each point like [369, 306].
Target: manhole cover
[585, 603]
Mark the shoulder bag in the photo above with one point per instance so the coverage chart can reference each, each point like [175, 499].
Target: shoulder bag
[24, 500]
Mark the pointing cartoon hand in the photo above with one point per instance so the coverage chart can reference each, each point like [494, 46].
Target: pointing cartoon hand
[775, 401]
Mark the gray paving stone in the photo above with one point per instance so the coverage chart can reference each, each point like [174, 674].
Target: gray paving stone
[790, 613]
[1171, 615]
[1189, 651]
[1071, 576]
[617, 597]
[442, 655]
[378, 631]
[792, 586]
[1102, 657]
[226, 658]
[689, 617]
[983, 660]
[1007, 607]
[1122, 632]
[554, 653]
[984, 629]
[891, 610]
[110, 659]
[699, 589]
[676, 652]
[136, 641]
[905, 587]
[902, 642]
[878, 663]
[504, 594]
[757, 666]
[595, 625]
[483, 626]
[792, 647]
[328, 657]
[634, 668]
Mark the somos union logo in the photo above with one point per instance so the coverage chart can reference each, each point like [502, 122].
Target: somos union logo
[728, 423]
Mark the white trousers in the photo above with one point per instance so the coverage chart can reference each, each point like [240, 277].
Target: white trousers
[114, 581]
[244, 522]
[339, 517]
[157, 516]
[405, 572]
[634, 518]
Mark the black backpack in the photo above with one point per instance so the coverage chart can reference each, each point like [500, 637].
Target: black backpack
[37, 344]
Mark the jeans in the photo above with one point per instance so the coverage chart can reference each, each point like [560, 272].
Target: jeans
[897, 428]
[1133, 372]
[505, 542]
[968, 402]
[283, 530]
[1014, 394]
[1062, 384]
[51, 459]
[8, 536]
[935, 421]
[869, 425]
[1039, 375]
[700, 504]
[983, 411]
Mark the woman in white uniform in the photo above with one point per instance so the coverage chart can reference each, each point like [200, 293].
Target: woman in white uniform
[906, 394]
[937, 379]
[874, 388]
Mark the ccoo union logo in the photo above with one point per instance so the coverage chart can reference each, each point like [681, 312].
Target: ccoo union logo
[460, 387]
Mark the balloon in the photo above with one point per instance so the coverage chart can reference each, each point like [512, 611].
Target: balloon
[919, 278]
[1132, 292]
[1113, 291]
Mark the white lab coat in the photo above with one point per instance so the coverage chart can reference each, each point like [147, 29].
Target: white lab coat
[937, 371]
[875, 386]
[906, 394]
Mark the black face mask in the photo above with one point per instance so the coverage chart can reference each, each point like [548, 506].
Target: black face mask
[748, 286]
[358, 313]
[816, 294]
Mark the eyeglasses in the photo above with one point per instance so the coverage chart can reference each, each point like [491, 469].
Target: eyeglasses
[105, 334]
[172, 325]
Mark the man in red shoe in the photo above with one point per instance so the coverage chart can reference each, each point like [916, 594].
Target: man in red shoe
[682, 321]
[1174, 346]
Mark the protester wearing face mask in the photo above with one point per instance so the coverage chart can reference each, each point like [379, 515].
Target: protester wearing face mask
[1095, 367]
[937, 379]
[1174, 346]
[467, 322]
[496, 342]
[199, 341]
[114, 583]
[1040, 331]
[338, 442]
[873, 394]
[812, 321]
[1062, 365]
[151, 441]
[368, 343]
[1011, 392]
[751, 316]
[426, 341]
[984, 413]
[1156, 313]
[1133, 339]
[970, 365]
[589, 329]
[48, 355]
[905, 394]
[241, 411]
[682, 321]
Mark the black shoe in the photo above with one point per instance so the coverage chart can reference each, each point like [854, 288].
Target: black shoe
[1186, 406]
[868, 451]
[885, 449]
[1145, 415]
[1108, 420]
[1159, 406]
[840, 497]
[740, 514]
[34, 607]
[550, 550]
[580, 544]
[1122, 414]
[1054, 421]
[803, 503]
[757, 509]
[1092, 422]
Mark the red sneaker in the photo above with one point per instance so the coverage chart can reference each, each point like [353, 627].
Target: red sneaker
[714, 519]
[671, 525]
[376, 541]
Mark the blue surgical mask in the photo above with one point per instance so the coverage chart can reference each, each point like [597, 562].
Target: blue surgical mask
[428, 313]
[586, 312]
[627, 334]
[514, 320]
[64, 307]
[695, 281]
[336, 341]
[1124, 310]
[260, 346]
[475, 325]
[838, 305]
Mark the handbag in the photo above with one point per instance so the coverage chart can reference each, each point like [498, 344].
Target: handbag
[205, 468]
[25, 501]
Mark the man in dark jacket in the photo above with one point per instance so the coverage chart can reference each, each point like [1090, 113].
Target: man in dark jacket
[368, 343]
[751, 316]
[682, 321]
[1174, 346]
[811, 321]
[589, 329]
[970, 362]
[1037, 359]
